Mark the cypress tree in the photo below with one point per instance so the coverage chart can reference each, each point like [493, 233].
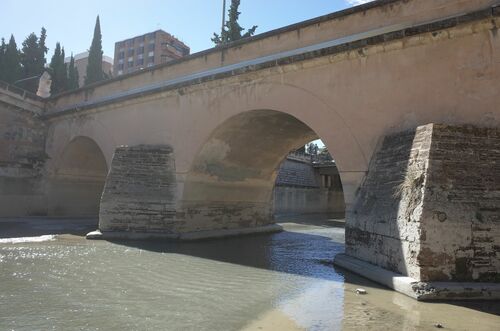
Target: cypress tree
[232, 30]
[12, 63]
[59, 71]
[63, 72]
[33, 59]
[3, 47]
[29, 60]
[94, 68]
[42, 49]
[73, 76]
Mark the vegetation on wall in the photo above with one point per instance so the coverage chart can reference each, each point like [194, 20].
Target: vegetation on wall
[232, 30]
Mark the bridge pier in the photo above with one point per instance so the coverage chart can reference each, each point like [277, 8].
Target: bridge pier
[141, 201]
[427, 217]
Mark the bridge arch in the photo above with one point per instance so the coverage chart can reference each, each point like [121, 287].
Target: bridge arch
[237, 102]
[77, 180]
[233, 174]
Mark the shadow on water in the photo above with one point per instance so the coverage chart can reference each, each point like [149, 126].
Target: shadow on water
[289, 252]
[39, 226]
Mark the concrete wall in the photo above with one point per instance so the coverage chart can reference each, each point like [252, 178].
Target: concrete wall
[429, 206]
[299, 190]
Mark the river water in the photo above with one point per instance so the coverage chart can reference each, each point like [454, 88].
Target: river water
[282, 281]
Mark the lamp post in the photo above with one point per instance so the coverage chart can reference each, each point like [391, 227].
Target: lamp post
[223, 19]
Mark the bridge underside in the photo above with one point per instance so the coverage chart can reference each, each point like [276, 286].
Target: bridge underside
[428, 209]
[229, 187]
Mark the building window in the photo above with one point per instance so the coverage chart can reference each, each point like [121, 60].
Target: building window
[130, 52]
[140, 50]
[120, 66]
[120, 72]
[131, 59]
[130, 64]
[120, 61]
[140, 56]
[151, 53]
[139, 62]
[151, 59]
[121, 55]
[150, 64]
[151, 47]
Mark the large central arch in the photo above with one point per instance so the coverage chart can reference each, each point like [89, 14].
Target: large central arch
[230, 183]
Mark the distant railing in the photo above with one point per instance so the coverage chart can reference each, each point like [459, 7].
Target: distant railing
[19, 91]
[322, 159]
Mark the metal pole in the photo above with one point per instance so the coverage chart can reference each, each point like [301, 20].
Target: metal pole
[22, 80]
[223, 18]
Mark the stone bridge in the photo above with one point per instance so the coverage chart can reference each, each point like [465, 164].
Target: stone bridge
[404, 93]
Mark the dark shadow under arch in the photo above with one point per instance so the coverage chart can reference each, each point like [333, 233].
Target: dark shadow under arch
[75, 188]
[230, 183]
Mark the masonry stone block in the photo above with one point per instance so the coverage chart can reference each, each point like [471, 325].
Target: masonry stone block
[429, 207]
[140, 190]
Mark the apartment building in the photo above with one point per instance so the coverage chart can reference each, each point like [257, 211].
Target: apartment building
[81, 62]
[147, 50]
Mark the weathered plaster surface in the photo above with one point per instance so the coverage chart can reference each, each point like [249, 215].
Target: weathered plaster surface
[22, 156]
[430, 205]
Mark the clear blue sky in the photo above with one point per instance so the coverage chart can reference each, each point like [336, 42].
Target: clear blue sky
[192, 21]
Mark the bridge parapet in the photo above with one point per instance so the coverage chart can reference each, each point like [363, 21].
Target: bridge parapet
[14, 97]
[341, 28]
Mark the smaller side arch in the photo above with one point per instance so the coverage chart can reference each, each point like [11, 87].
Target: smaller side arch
[77, 180]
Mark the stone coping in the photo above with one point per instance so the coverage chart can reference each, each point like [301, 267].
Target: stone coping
[187, 236]
[421, 291]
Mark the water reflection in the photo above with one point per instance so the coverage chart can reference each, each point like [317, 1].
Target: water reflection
[290, 252]
[256, 282]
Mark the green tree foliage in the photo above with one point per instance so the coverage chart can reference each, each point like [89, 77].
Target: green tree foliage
[33, 60]
[11, 62]
[73, 76]
[94, 68]
[3, 48]
[232, 30]
[59, 71]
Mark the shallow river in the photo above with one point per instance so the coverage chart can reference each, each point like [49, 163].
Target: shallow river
[282, 281]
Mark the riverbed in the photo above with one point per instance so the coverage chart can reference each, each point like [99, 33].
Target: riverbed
[282, 281]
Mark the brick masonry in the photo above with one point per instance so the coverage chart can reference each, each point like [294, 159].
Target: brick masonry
[140, 191]
[297, 173]
[299, 189]
[430, 205]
